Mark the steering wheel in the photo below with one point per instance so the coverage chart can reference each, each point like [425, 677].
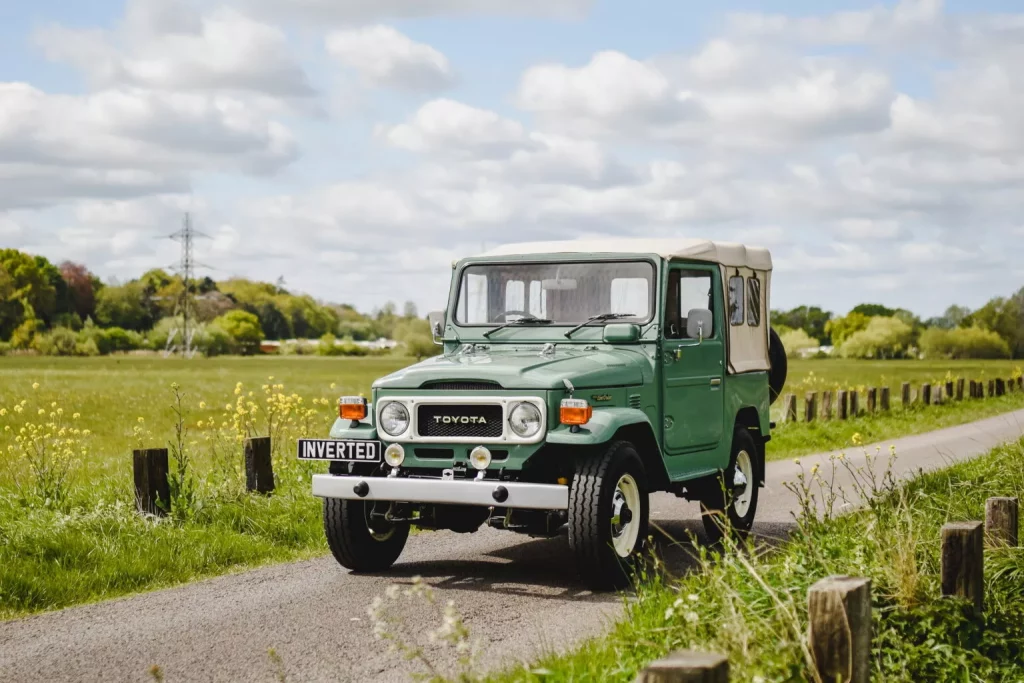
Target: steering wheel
[503, 317]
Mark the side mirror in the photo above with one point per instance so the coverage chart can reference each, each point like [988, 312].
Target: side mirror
[699, 324]
[621, 333]
[436, 321]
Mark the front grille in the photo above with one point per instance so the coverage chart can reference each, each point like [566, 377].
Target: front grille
[461, 386]
[483, 421]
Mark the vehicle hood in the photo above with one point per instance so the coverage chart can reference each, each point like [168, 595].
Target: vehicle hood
[528, 368]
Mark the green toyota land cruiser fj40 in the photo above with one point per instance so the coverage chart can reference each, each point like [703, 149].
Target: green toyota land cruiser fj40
[576, 379]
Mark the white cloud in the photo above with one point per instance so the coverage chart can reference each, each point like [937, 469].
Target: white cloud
[450, 126]
[166, 45]
[363, 11]
[383, 56]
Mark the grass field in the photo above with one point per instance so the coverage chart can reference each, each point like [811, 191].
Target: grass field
[76, 539]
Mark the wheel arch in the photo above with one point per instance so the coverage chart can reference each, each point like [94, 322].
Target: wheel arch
[748, 418]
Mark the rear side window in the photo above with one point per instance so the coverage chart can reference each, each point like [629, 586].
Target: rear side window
[753, 301]
[736, 300]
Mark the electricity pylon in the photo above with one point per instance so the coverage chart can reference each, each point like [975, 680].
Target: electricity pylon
[185, 308]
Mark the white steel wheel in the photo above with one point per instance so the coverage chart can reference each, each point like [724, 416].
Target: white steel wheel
[625, 515]
[743, 483]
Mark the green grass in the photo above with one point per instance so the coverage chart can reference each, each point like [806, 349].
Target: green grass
[90, 545]
[750, 605]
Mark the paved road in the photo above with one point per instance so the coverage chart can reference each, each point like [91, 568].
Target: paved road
[513, 591]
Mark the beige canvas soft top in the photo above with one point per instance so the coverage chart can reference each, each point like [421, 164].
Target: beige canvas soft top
[724, 253]
[748, 340]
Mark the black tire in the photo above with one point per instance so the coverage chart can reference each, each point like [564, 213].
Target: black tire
[592, 500]
[352, 541]
[719, 504]
[779, 365]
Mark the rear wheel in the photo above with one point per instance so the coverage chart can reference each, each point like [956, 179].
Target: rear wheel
[731, 500]
[608, 514]
[358, 542]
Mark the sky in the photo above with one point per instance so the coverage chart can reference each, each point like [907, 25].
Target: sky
[357, 147]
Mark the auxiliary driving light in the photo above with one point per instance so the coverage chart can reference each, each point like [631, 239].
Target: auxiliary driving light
[575, 411]
[480, 458]
[352, 408]
[394, 455]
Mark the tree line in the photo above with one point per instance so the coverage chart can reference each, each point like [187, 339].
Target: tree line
[996, 330]
[65, 309]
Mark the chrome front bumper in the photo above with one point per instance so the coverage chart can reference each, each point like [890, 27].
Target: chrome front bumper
[511, 494]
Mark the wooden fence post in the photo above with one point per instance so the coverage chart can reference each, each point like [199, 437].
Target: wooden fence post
[1000, 387]
[810, 406]
[905, 394]
[960, 389]
[1020, 383]
[939, 396]
[839, 636]
[926, 394]
[963, 562]
[259, 471]
[949, 390]
[842, 399]
[1011, 386]
[1002, 516]
[885, 400]
[152, 490]
[991, 388]
[687, 666]
[790, 407]
[872, 400]
[854, 403]
[827, 398]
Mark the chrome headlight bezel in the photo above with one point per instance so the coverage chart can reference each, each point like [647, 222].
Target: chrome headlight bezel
[383, 418]
[536, 418]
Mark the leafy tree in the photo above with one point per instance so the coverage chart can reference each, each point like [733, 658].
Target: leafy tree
[81, 289]
[1005, 317]
[841, 329]
[795, 341]
[31, 293]
[414, 335]
[123, 306]
[810, 319]
[244, 328]
[952, 317]
[963, 342]
[874, 310]
[882, 338]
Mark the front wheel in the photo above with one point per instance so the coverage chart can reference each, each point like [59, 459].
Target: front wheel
[359, 542]
[608, 514]
[731, 499]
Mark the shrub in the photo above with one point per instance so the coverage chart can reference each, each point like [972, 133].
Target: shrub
[329, 346]
[795, 341]
[244, 328]
[58, 342]
[882, 338]
[963, 342]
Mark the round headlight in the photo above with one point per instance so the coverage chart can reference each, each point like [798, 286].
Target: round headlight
[394, 455]
[525, 420]
[394, 419]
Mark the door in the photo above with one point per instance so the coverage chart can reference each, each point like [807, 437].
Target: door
[693, 369]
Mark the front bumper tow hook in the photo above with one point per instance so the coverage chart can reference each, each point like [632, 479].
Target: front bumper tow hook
[361, 489]
[500, 494]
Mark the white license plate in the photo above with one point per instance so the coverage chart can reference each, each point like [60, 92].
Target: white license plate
[345, 450]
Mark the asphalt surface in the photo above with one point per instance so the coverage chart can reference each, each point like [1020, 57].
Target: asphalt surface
[515, 593]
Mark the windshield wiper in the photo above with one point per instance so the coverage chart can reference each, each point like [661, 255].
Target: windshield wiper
[520, 321]
[596, 318]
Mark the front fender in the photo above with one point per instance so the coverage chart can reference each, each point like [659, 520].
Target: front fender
[601, 428]
[343, 429]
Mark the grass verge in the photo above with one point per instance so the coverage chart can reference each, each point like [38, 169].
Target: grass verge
[750, 604]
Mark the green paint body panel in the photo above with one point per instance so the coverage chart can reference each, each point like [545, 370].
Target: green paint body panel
[679, 389]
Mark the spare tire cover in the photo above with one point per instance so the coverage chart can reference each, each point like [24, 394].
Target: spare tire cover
[779, 365]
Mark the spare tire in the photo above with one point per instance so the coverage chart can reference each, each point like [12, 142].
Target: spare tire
[779, 365]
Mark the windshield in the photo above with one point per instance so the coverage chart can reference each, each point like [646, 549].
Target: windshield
[564, 293]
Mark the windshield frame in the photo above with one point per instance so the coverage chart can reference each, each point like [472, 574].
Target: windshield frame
[654, 291]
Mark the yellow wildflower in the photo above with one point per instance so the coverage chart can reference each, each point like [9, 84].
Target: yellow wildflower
[141, 419]
[857, 439]
[42, 411]
[202, 405]
[35, 385]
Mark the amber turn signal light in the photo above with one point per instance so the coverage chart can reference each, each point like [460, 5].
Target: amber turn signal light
[575, 411]
[352, 408]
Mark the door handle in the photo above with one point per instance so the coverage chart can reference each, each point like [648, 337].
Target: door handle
[716, 381]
